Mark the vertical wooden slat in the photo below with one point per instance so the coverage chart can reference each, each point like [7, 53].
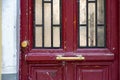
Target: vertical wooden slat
[24, 35]
[68, 25]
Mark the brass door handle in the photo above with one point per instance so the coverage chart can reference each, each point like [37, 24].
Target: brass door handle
[24, 44]
[79, 57]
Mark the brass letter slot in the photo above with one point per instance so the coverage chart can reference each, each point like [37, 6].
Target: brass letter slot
[79, 57]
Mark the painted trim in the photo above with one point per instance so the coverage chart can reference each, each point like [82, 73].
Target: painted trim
[0, 38]
[119, 37]
[10, 76]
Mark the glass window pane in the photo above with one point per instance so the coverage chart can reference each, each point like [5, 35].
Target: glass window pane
[38, 37]
[47, 0]
[91, 24]
[100, 11]
[91, 18]
[56, 11]
[100, 35]
[38, 11]
[82, 15]
[56, 36]
[82, 36]
[47, 25]
[91, 0]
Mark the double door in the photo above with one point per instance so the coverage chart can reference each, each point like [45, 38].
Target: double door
[69, 40]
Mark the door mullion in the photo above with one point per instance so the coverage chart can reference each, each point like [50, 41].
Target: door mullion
[69, 71]
[68, 25]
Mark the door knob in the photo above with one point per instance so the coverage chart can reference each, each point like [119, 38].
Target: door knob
[79, 57]
[24, 44]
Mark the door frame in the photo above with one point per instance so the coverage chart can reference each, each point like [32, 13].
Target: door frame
[111, 21]
[119, 36]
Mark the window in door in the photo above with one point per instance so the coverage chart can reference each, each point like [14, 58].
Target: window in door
[48, 28]
[47, 24]
[91, 23]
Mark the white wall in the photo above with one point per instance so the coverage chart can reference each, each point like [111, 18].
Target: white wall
[9, 40]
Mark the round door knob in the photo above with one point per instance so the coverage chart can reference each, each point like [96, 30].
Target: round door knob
[24, 44]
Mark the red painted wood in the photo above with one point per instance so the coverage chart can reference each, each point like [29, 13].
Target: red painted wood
[23, 71]
[103, 63]
[51, 72]
[76, 24]
[68, 25]
[94, 56]
[93, 73]
[70, 71]
[119, 37]
[112, 32]
[30, 21]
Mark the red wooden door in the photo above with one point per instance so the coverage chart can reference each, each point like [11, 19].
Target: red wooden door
[76, 53]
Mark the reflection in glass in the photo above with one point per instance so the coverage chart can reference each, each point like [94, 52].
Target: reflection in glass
[38, 11]
[91, 24]
[100, 36]
[56, 36]
[47, 25]
[91, 0]
[47, 0]
[91, 16]
[83, 36]
[56, 11]
[82, 15]
[100, 11]
[38, 36]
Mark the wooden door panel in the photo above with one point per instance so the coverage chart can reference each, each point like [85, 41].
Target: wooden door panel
[41, 63]
[90, 55]
[93, 73]
[48, 72]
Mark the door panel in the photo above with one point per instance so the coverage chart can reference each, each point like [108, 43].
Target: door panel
[87, 48]
[46, 72]
[93, 73]
[94, 70]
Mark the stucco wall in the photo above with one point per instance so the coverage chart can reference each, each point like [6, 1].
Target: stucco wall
[9, 36]
[0, 37]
